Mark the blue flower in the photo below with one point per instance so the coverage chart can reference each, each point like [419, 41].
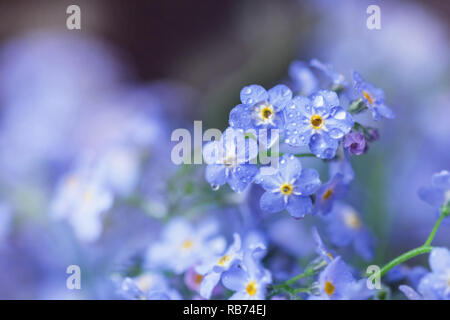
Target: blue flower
[250, 279]
[321, 249]
[183, 246]
[304, 80]
[230, 160]
[439, 193]
[436, 284]
[261, 109]
[345, 228]
[289, 188]
[317, 121]
[337, 80]
[373, 97]
[343, 167]
[328, 193]
[147, 286]
[212, 268]
[82, 199]
[336, 282]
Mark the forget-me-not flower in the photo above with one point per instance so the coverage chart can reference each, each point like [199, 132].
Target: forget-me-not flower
[303, 79]
[213, 267]
[345, 227]
[438, 194]
[147, 286]
[183, 246]
[289, 188]
[230, 160]
[82, 198]
[250, 279]
[373, 97]
[318, 122]
[321, 248]
[337, 80]
[329, 192]
[343, 167]
[436, 284]
[261, 108]
[336, 282]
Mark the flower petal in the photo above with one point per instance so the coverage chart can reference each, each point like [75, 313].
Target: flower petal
[234, 279]
[308, 182]
[209, 282]
[440, 259]
[323, 146]
[279, 96]
[272, 202]
[215, 174]
[299, 206]
[441, 180]
[253, 94]
[241, 117]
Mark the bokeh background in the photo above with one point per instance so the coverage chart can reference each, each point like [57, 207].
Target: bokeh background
[142, 69]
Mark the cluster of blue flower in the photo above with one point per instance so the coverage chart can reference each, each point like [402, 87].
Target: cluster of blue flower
[324, 121]
[93, 187]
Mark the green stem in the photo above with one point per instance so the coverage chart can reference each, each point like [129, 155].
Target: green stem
[307, 273]
[433, 232]
[425, 248]
[404, 257]
[300, 290]
[298, 155]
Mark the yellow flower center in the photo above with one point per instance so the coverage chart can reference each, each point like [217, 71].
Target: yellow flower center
[352, 220]
[144, 282]
[286, 189]
[188, 244]
[329, 255]
[72, 182]
[224, 260]
[230, 161]
[329, 288]
[316, 121]
[198, 278]
[327, 194]
[368, 97]
[251, 288]
[267, 112]
[88, 196]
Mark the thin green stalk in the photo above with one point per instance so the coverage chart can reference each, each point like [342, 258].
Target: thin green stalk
[404, 257]
[307, 273]
[298, 155]
[425, 248]
[433, 232]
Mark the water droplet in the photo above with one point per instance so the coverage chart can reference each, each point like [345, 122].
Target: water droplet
[215, 187]
[340, 115]
[282, 161]
[248, 90]
[336, 133]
